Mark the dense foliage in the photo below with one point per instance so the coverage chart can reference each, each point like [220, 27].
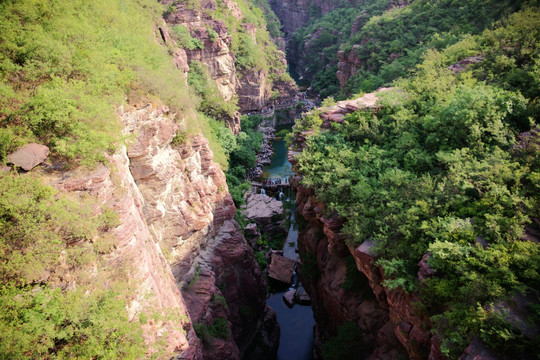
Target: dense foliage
[388, 45]
[392, 44]
[261, 52]
[66, 65]
[243, 157]
[65, 68]
[440, 169]
[212, 103]
[317, 43]
[45, 234]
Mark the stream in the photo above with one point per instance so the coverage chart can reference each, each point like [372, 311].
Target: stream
[296, 323]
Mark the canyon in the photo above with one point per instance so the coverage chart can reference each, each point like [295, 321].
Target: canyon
[199, 272]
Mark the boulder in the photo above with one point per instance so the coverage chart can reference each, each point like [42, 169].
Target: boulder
[288, 298]
[252, 231]
[425, 271]
[301, 297]
[29, 156]
[281, 269]
[266, 212]
[477, 351]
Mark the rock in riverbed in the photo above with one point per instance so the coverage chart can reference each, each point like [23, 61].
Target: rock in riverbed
[281, 269]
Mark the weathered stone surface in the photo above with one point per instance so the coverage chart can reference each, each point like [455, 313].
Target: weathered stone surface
[268, 340]
[477, 351]
[251, 91]
[302, 297]
[281, 268]
[266, 212]
[425, 270]
[288, 298]
[174, 201]
[465, 63]
[252, 231]
[29, 156]
[135, 244]
[251, 87]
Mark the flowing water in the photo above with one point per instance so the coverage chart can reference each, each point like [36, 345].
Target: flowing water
[296, 323]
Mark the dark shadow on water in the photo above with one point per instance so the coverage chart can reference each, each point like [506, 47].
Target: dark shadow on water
[296, 323]
[296, 341]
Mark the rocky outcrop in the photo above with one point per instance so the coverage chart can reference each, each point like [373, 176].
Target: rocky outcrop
[251, 92]
[252, 87]
[190, 214]
[156, 291]
[352, 61]
[177, 237]
[29, 156]
[336, 113]
[349, 64]
[266, 212]
[294, 14]
[281, 268]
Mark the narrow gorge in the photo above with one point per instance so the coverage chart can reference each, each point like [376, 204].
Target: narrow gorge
[269, 179]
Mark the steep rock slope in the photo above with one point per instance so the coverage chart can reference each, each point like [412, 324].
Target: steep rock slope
[177, 230]
[226, 35]
[156, 263]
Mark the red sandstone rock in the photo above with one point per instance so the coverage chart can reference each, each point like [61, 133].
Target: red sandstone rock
[266, 212]
[288, 298]
[28, 156]
[281, 269]
[425, 270]
[465, 63]
[302, 297]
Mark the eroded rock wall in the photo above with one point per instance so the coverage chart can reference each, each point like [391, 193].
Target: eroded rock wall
[323, 249]
[252, 87]
[389, 318]
[177, 241]
[190, 214]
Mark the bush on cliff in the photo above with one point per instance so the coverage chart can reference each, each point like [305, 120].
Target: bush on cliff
[66, 66]
[440, 169]
[45, 233]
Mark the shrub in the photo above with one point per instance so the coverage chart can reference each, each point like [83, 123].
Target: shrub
[185, 39]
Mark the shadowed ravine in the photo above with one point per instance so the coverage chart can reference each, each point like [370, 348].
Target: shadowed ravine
[296, 323]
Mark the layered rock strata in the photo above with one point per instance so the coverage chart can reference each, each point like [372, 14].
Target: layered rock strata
[178, 241]
[252, 87]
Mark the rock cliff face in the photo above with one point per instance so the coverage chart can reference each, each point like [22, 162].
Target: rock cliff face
[390, 319]
[294, 14]
[185, 253]
[350, 62]
[322, 246]
[251, 86]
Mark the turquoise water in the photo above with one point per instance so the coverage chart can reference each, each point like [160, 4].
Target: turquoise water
[280, 166]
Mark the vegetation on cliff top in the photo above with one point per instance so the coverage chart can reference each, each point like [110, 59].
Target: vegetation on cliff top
[65, 68]
[440, 169]
[388, 45]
